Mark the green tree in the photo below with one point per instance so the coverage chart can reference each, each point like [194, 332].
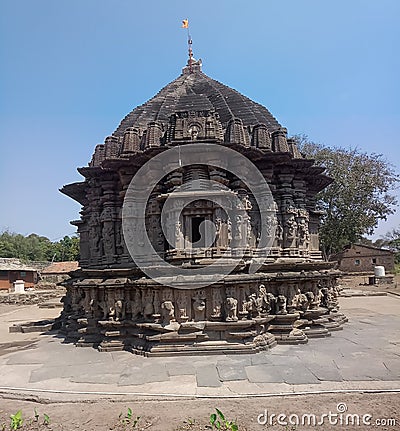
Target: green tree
[67, 249]
[360, 196]
[8, 245]
[392, 242]
[39, 248]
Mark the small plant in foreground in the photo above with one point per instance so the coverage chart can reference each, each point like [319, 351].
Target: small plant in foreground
[16, 420]
[46, 419]
[190, 421]
[218, 421]
[128, 418]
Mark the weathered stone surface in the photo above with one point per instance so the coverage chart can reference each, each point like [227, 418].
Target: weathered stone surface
[325, 371]
[228, 372]
[207, 376]
[264, 374]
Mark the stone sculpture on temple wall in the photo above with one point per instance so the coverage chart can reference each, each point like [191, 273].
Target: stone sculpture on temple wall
[102, 305]
[229, 231]
[246, 203]
[148, 309]
[182, 302]
[281, 305]
[334, 295]
[136, 305]
[157, 303]
[289, 291]
[108, 232]
[111, 304]
[265, 302]
[312, 303]
[167, 313]
[216, 304]
[199, 306]
[243, 311]
[108, 239]
[119, 240]
[237, 234]
[303, 229]
[304, 234]
[249, 231]
[300, 301]
[95, 241]
[278, 242]
[252, 306]
[231, 309]
[270, 226]
[119, 307]
[290, 230]
[75, 299]
[179, 239]
[219, 239]
[83, 301]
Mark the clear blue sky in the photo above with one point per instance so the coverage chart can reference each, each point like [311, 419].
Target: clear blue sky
[71, 70]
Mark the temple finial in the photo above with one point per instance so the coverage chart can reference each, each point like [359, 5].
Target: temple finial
[185, 24]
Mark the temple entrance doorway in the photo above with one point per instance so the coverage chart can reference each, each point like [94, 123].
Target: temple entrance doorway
[198, 236]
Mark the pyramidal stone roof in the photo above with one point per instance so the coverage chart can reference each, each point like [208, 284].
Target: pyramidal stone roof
[194, 90]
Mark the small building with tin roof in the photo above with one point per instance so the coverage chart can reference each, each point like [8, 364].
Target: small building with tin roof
[12, 269]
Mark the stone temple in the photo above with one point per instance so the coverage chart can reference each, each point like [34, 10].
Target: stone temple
[231, 268]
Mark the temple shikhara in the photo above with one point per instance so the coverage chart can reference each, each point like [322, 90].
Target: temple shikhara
[201, 217]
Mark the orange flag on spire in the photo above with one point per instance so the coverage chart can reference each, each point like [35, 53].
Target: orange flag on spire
[185, 23]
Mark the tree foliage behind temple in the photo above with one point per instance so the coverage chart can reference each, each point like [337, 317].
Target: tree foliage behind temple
[392, 242]
[38, 248]
[360, 196]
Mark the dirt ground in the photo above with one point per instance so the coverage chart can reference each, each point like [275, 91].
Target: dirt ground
[194, 414]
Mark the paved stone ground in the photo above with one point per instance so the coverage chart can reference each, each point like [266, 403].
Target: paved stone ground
[364, 355]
